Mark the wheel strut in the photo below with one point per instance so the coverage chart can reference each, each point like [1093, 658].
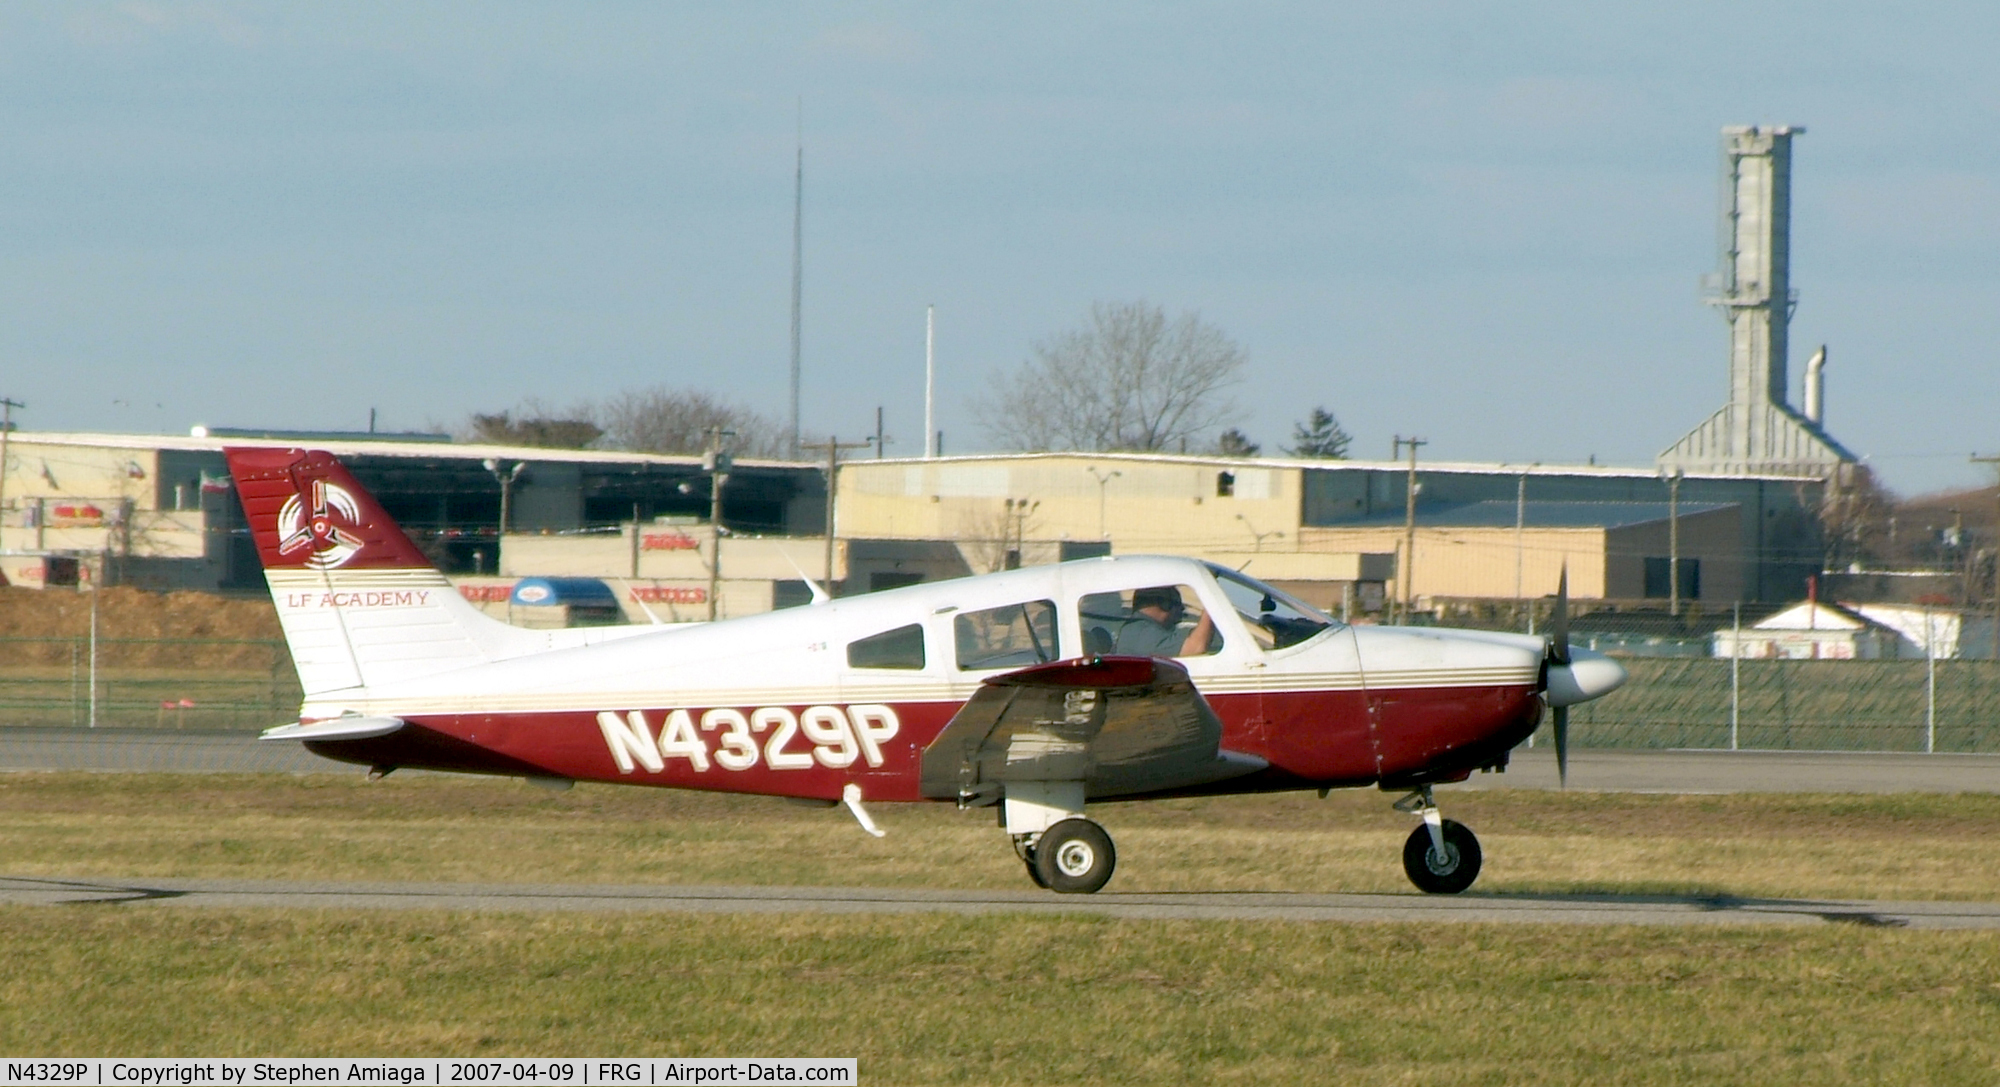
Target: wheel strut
[1443, 857]
[1422, 803]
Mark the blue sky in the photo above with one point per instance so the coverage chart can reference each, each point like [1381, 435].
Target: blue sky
[1482, 224]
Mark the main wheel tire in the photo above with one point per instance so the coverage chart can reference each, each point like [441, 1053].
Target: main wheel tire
[1446, 875]
[1033, 872]
[1075, 857]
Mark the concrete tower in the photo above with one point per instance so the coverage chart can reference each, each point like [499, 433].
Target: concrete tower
[1757, 431]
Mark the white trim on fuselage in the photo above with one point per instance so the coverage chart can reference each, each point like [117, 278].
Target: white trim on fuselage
[797, 656]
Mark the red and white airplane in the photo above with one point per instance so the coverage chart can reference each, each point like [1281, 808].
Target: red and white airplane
[1032, 691]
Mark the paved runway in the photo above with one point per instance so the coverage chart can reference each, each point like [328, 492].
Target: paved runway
[1620, 770]
[1241, 906]
[1606, 769]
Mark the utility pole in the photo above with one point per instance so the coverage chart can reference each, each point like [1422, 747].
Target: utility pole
[1674, 543]
[798, 275]
[1995, 461]
[1409, 522]
[833, 448]
[716, 462]
[1018, 510]
[7, 407]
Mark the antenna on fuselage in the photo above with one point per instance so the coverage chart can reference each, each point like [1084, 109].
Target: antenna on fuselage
[641, 601]
[819, 593]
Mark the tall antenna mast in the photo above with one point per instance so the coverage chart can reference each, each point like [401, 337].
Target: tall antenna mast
[930, 382]
[798, 268]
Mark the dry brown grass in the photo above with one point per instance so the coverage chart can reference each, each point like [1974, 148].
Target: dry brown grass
[1007, 1000]
[338, 826]
[1000, 999]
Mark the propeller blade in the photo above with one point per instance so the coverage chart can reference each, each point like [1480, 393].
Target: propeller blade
[1559, 622]
[1562, 745]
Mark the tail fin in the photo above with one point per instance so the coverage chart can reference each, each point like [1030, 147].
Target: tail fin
[360, 605]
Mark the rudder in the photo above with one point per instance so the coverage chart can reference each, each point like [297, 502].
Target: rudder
[360, 605]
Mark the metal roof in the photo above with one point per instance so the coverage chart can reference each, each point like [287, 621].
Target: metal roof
[362, 446]
[1318, 464]
[1499, 513]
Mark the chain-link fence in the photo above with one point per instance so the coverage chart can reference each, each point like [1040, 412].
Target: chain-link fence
[1799, 705]
[192, 684]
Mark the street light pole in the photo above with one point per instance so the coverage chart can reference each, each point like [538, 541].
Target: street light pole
[506, 480]
[1409, 523]
[716, 462]
[1102, 481]
[1520, 529]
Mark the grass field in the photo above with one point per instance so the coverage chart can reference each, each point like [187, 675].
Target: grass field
[1020, 1000]
[935, 999]
[339, 826]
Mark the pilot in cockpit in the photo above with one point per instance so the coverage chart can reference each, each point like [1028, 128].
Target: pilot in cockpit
[1155, 627]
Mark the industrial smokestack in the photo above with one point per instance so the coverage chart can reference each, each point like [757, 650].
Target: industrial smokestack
[1816, 385]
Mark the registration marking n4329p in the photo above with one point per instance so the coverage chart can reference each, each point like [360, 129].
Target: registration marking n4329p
[831, 736]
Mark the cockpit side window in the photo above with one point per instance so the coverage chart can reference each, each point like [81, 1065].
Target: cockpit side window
[902, 647]
[1273, 618]
[1012, 636]
[1156, 621]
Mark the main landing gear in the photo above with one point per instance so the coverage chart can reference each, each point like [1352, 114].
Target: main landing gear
[1063, 851]
[1441, 857]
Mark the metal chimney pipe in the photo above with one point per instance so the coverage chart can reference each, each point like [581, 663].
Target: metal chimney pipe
[1816, 385]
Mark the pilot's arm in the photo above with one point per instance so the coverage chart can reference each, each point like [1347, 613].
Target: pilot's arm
[1198, 638]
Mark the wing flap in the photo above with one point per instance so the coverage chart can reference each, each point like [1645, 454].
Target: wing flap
[1121, 725]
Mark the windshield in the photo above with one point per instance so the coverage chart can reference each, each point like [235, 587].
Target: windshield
[1275, 619]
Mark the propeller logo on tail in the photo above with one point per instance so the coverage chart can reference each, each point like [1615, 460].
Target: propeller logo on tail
[328, 529]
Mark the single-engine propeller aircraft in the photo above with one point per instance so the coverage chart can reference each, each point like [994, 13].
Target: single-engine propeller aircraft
[1033, 691]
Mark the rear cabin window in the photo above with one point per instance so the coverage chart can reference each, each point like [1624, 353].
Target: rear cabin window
[902, 647]
[1013, 636]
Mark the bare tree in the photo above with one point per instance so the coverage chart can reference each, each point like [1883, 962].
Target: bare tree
[1127, 379]
[535, 426]
[664, 420]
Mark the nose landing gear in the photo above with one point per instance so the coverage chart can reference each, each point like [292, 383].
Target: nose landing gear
[1440, 857]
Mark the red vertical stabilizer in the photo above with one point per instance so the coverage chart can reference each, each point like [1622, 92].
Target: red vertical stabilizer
[307, 513]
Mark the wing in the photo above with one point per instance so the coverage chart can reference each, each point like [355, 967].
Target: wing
[1120, 725]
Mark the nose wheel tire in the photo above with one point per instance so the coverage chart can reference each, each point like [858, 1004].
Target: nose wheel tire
[1074, 857]
[1446, 875]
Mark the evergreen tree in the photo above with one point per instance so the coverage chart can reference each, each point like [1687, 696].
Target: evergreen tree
[1235, 443]
[1320, 438]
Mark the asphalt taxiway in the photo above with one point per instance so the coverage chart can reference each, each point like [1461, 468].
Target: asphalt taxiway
[1607, 770]
[1234, 906]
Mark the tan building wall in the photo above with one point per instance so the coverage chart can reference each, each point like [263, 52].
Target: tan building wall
[1482, 562]
[72, 498]
[1141, 506]
[1715, 538]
